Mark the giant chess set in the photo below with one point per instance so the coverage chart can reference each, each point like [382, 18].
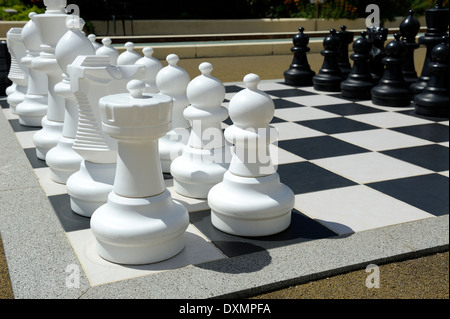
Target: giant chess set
[144, 165]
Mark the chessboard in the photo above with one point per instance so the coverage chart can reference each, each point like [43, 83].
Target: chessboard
[353, 166]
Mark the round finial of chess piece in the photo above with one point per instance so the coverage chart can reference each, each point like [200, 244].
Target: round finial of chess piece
[152, 67]
[172, 79]
[331, 41]
[395, 48]
[251, 107]
[129, 57]
[55, 6]
[93, 39]
[205, 91]
[300, 39]
[108, 50]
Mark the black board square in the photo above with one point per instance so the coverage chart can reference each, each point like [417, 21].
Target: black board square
[427, 192]
[319, 147]
[433, 157]
[305, 177]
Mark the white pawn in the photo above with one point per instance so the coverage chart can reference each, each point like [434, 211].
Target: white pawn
[206, 157]
[34, 107]
[140, 223]
[129, 56]
[251, 201]
[93, 39]
[173, 80]
[108, 50]
[152, 66]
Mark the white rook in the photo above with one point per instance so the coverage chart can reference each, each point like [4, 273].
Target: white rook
[140, 223]
[251, 201]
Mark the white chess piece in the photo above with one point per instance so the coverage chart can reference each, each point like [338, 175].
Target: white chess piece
[108, 50]
[93, 77]
[51, 26]
[140, 223]
[173, 80]
[152, 66]
[18, 73]
[206, 157]
[62, 160]
[93, 39]
[129, 56]
[34, 106]
[251, 201]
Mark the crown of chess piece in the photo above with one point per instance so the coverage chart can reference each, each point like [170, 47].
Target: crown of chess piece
[330, 76]
[359, 82]
[377, 37]
[173, 80]
[34, 107]
[345, 39]
[299, 72]
[205, 158]
[140, 223]
[18, 73]
[251, 201]
[409, 28]
[152, 66]
[52, 27]
[434, 98]
[437, 26]
[108, 50]
[391, 89]
[62, 160]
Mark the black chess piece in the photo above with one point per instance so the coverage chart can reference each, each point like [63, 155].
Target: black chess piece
[359, 82]
[330, 76]
[5, 64]
[409, 28]
[434, 98]
[391, 89]
[346, 38]
[377, 37]
[437, 25]
[300, 73]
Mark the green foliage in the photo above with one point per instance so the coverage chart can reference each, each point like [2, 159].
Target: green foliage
[21, 9]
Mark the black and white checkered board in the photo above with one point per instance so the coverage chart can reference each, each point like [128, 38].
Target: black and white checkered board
[352, 165]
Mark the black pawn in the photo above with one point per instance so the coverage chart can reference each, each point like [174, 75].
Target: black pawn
[434, 99]
[359, 82]
[299, 73]
[437, 25]
[377, 37]
[391, 89]
[330, 76]
[409, 28]
[346, 38]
